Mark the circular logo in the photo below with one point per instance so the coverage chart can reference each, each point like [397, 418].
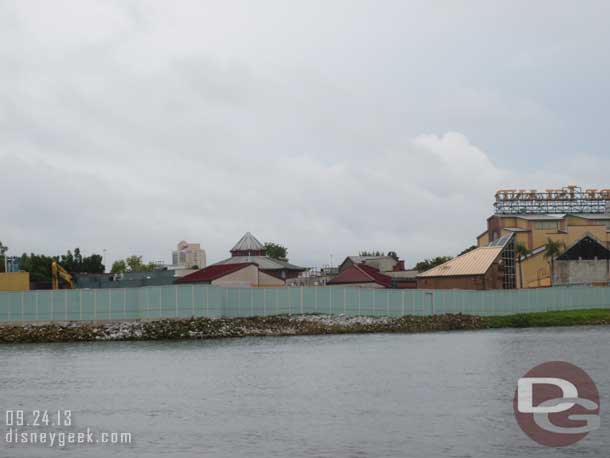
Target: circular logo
[556, 404]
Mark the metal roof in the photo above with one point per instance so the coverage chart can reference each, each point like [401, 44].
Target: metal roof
[361, 273]
[248, 243]
[475, 262]
[554, 216]
[502, 241]
[263, 262]
[516, 229]
[213, 272]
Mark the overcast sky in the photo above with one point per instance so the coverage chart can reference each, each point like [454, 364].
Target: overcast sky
[326, 126]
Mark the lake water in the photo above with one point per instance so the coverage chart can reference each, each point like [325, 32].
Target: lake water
[382, 395]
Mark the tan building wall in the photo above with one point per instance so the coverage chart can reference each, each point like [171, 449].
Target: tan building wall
[14, 281]
[246, 277]
[483, 239]
[536, 271]
[570, 229]
[269, 281]
[250, 277]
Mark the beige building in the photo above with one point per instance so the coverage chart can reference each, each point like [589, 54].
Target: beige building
[242, 275]
[563, 215]
[189, 255]
[14, 281]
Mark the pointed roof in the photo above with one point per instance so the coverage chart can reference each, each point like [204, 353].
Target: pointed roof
[586, 248]
[475, 262]
[213, 272]
[361, 273]
[248, 243]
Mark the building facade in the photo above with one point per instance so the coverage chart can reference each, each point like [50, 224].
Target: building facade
[189, 255]
[563, 215]
[240, 275]
[249, 250]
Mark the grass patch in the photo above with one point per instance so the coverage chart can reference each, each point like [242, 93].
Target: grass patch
[545, 319]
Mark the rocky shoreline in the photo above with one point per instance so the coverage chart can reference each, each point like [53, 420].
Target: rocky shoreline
[211, 328]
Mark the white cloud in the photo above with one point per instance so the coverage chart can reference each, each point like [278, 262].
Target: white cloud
[131, 126]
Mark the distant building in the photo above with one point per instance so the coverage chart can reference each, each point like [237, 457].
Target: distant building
[249, 250]
[375, 272]
[237, 275]
[188, 255]
[489, 267]
[381, 263]
[587, 261]
[14, 281]
[563, 215]
[363, 275]
[125, 280]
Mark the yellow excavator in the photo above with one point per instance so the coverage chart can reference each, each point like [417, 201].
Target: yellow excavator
[58, 271]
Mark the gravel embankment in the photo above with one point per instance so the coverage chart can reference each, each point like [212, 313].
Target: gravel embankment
[209, 328]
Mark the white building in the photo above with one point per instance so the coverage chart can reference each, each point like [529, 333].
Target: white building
[188, 255]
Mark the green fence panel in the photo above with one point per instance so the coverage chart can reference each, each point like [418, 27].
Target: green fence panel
[210, 301]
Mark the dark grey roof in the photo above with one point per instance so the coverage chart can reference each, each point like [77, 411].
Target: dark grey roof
[263, 262]
[248, 243]
[502, 241]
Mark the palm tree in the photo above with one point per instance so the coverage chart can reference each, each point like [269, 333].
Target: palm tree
[552, 249]
[521, 251]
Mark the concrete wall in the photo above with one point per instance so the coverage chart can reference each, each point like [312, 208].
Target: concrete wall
[14, 281]
[582, 271]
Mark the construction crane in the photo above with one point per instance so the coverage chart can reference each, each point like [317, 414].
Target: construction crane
[58, 271]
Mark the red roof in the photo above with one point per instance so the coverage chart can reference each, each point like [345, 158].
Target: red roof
[361, 273]
[214, 272]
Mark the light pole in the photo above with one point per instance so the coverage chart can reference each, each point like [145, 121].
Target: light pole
[104, 259]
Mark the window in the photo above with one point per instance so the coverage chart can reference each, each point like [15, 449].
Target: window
[547, 225]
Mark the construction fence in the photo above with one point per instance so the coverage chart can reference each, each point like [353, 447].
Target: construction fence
[211, 301]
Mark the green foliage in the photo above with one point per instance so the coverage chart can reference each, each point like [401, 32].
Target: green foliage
[546, 319]
[371, 253]
[76, 263]
[470, 248]
[39, 265]
[3, 249]
[119, 267]
[132, 264]
[276, 251]
[135, 264]
[553, 248]
[521, 251]
[428, 264]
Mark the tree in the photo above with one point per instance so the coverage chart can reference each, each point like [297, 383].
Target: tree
[371, 253]
[39, 265]
[76, 263]
[428, 264]
[552, 249]
[276, 251]
[470, 248]
[132, 263]
[521, 251]
[135, 264]
[3, 250]
[119, 267]
[393, 255]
